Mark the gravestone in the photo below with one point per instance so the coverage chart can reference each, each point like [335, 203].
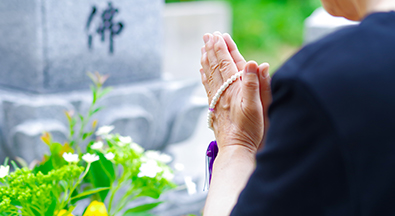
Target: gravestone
[48, 46]
[321, 23]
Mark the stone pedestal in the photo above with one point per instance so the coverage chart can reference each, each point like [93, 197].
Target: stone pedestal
[154, 114]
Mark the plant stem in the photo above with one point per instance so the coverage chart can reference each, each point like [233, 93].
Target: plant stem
[121, 204]
[75, 186]
[113, 192]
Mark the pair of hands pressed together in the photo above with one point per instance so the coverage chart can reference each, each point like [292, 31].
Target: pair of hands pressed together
[240, 117]
[239, 121]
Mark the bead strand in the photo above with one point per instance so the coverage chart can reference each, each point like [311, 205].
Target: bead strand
[218, 95]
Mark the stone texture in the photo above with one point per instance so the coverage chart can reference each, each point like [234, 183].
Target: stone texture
[320, 24]
[183, 127]
[44, 46]
[154, 114]
[21, 44]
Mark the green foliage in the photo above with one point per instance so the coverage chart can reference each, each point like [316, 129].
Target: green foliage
[101, 174]
[265, 24]
[38, 194]
[129, 157]
[142, 208]
[110, 162]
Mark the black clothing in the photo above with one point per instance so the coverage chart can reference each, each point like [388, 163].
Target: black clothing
[330, 149]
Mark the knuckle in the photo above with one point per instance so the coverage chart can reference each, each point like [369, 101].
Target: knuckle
[213, 66]
[251, 84]
[209, 46]
[267, 88]
[218, 47]
[224, 65]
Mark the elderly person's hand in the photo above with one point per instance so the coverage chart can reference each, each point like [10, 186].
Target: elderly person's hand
[239, 114]
[238, 119]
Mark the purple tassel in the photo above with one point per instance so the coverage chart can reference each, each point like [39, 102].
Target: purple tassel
[212, 152]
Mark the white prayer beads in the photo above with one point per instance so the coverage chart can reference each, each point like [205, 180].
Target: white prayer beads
[218, 95]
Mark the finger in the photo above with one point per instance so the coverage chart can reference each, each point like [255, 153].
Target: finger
[213, 75]
[205, 64]
[265, 93]
[204, 80]
[227, 67]
[250, 86]
[264, 84]
[203, 50]
[234, 52]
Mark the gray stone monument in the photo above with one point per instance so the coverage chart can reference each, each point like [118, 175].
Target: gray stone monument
[52, 44]
[48, 46]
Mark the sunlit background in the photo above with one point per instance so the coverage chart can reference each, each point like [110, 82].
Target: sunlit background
[268, 30]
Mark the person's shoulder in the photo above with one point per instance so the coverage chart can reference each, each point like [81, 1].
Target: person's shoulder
[316, 57]
[346, 50]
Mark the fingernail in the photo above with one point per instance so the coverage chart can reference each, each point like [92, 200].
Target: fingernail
[206, 38]
[251, 68]
[216, 38]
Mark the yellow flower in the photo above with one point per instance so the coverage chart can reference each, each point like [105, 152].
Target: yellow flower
[96, 209]
[62, 213]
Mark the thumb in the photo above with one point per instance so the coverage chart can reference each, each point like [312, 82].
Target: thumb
[250, 85]
[264, 84]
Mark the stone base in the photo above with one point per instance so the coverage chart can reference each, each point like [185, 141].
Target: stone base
[154, 114]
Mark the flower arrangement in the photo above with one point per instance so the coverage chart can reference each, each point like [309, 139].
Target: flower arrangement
[112, 171]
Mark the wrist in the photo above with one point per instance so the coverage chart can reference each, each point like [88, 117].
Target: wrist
[241, 146]
[238, 152]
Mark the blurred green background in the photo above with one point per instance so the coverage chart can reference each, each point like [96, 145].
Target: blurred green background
[268, 30]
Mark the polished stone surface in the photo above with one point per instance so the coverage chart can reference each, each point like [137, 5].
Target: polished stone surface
[45, 44]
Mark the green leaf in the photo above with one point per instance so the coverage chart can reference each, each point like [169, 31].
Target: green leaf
[81, 117]
[108, 168]
[87, 134]
[6, 161]
[149, 192]
[97, 110]
[51, 209]
[21, 161]
[72, 143]
[90, 192]
[100, 174]
[142, 208]
[94, 94]
[14, 165]
[104, 92]
[44, 167]
[92, 76]
[55, 148]
[56, 157]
